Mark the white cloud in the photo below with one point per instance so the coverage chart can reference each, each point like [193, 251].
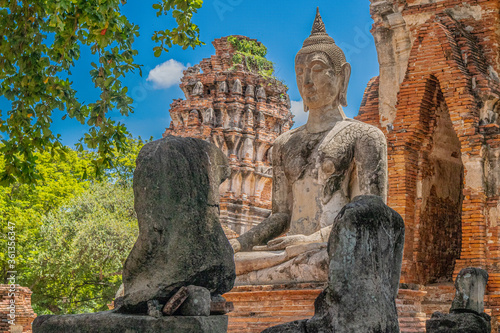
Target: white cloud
[298, 111]
[167, 74]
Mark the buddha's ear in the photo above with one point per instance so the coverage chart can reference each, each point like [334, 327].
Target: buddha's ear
[306, 108]
[345, 71]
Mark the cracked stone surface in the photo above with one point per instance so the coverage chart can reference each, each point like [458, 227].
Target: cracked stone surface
[471, 286]
[181, 242]
[466, 322]
[466, 313]
[197, 302]
[319, 167]
[111, 322]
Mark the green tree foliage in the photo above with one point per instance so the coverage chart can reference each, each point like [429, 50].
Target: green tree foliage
[100, 215]
[123, 167]
[40, 44]
[83, 245]
[24, 205]
[248, 46]
[186, 33]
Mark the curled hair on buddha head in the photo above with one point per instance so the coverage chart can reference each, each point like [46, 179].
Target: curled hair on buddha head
[320, 41]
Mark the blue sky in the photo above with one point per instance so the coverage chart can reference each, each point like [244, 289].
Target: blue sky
[281, 26]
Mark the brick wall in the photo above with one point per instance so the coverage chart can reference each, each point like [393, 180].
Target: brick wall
[260, 307]
[23, 311]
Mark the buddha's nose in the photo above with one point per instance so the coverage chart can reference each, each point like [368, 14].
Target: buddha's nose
[307, 78]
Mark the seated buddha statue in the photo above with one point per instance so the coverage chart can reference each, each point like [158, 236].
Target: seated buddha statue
[317, 169]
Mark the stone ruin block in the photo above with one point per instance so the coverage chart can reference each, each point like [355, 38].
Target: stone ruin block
[466, 313]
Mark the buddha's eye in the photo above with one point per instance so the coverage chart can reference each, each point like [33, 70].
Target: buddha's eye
[299, 70]
[317, 68]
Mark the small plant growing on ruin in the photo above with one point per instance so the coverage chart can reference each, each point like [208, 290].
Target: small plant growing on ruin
[252, 54]
[237, 58]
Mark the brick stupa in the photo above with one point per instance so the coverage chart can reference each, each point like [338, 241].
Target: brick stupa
[242, 113]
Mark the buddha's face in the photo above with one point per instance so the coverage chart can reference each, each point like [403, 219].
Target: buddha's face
[318, 84]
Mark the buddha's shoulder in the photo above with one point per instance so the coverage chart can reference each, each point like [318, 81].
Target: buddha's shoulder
[355, 129]
[285, 137]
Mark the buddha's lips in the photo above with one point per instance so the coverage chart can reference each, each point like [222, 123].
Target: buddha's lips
[311, 96]
[310, 92]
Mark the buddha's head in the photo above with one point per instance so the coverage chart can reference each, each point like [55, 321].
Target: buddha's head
[321, 69]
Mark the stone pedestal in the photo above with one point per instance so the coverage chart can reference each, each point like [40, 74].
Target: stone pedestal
[111, 322]
[458, 323]
[257, 307]
[410, 312]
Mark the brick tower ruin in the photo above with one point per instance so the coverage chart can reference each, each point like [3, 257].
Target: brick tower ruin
[232, 104]
[436, 99]
[17, 316]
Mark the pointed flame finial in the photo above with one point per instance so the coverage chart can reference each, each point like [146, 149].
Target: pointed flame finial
[318, 32]
[318, 25]
[319, 41]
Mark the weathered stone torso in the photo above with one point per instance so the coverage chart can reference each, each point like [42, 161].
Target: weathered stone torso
[181, 242]
[321, 171]
[308, 169]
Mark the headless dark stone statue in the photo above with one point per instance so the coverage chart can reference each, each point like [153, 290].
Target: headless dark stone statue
[365, 250]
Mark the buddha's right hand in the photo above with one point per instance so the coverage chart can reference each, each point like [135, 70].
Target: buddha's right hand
[282, 243]
[235, 244]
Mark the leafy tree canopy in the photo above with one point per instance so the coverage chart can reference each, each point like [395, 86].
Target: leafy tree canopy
[83, 245]
[24, 206]
[56, 221]
[41, 41]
